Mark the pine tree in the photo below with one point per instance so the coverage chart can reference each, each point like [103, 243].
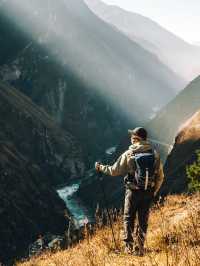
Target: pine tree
[193, 174]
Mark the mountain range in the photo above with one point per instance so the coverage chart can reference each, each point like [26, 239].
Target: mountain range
[181, 57]
[73, 59]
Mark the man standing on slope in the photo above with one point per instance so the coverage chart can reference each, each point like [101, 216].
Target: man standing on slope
[144, 176]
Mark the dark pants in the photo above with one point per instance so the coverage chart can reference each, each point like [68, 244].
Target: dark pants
[136, 202]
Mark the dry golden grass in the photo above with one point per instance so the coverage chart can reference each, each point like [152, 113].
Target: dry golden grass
[173, 239]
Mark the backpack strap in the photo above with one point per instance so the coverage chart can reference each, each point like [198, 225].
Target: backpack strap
[135, 178]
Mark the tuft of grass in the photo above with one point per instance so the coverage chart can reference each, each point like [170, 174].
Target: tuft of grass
[173, 239]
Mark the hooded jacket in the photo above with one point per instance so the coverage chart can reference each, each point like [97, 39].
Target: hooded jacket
[124, 165]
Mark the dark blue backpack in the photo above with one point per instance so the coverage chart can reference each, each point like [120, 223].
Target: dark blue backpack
[145, 170]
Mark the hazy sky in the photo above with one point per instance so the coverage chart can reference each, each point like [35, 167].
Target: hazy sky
[179, 16]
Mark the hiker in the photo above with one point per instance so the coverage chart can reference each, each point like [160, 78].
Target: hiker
[144, 175]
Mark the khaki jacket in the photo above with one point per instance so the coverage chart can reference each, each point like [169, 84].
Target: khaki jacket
[124, 164]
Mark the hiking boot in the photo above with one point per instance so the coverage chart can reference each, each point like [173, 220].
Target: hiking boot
[138, 251]
[128, 248]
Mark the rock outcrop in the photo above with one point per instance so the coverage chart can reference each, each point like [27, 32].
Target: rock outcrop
[183, 154]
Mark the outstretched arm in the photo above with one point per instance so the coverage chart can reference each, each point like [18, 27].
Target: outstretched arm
[120, 167]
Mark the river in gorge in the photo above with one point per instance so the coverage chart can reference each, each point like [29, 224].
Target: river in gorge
[79, 211]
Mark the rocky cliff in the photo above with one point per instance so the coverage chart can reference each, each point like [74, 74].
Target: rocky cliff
[183, 153]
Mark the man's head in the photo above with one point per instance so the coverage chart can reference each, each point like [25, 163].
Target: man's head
[137, 134]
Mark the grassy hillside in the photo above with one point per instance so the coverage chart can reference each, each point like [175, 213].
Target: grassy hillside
[173, 239]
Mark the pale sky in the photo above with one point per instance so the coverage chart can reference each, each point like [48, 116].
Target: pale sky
[181, 17]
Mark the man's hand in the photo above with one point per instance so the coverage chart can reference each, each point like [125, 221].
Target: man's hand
[97, 166]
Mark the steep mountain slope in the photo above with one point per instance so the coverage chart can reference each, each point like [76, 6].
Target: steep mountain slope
[166, 124]
[34, 154]
[38, 138]
[183, 153]
[29, 207]
[81, 70]
[180, 56]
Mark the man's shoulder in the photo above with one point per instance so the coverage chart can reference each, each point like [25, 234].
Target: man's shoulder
[130, 154]
[127, 153]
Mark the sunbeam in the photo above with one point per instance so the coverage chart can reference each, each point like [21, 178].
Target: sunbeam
[105, 61]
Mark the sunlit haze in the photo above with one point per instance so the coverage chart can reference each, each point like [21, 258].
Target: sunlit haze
[98, 67]
[180, 17]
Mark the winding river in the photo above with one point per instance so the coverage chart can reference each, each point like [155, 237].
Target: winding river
[80, 212]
